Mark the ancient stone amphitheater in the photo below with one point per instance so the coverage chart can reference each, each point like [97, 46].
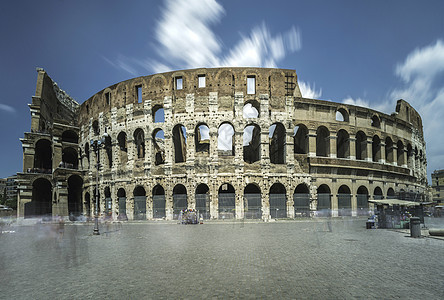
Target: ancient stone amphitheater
[228, 142]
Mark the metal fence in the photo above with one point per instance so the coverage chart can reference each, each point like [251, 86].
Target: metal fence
[301, 205]
[203, 205]
[362, 204]
[278, 206]
[227, 206]
[253, 206]
[324, 205]
[159, 206]
[344, 204]
[139, 207]
[122, 208]
[108, 206]
[179, 203]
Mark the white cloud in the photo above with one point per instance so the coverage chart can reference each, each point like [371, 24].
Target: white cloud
[309, 92]
[7, 108]
[421, 73]
[386, 106]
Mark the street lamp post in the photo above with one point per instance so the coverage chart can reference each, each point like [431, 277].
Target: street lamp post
[96, 144]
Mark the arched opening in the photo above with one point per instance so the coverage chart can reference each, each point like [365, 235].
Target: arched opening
[70, 158]
[70, 137]
[41, 203]
[203, 200]
[227, 201]
[252, 202]
[251, 110]
[43, 157]
[301, 198]
[341, 115]
[75, 188]
[95, 127]
[87, 153]
[109, 151]
[390, 193]
[121, 199]
[400, 153]
[139, 140]
[377, 193]
[362, 201]
[159, 202]
[409, 156]
[376, 148]
[252, 143]
[123, 147]
[342, 144]
[388, 150]
[87, 204]
[202, 138]
[375, 122]
[344, 201]
[158, 114]
[361, 145]
[324, 201]
[139, 203]
[159, 146]
[300, 139]
[278, 201]
[225, 140]
[277, 143]
[108, 203]
[180, 201]
[180, 143]
[322, 142]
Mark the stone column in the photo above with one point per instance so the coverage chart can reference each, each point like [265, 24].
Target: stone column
[333, 149]
[382, 152]
[352, 150]
[395, 154]
[369, 149]
[312, 142]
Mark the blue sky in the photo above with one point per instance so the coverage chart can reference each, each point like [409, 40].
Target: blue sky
[369, 53]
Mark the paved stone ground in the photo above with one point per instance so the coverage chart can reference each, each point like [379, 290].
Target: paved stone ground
[286, 259]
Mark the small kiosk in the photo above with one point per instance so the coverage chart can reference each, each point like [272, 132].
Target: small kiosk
[395, 213]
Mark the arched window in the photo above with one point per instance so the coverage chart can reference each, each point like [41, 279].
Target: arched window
[377, 193]
[301, 198]
[278, 201]
[121, 198]
[376, 148]
[202, 197]
[41, 203]
[362, 201]
[180, 201]
[342, 115]
[225, 140]
[390, 193]
[389, 150]
[108, 202]
[324, 200]
[109, 150]
[202, 138]
[375, 122]
[70, 158]
[252, 202]
[95, 127]
[43, 156]
[180, 143]
[123, 148]
[158, 202]
[400, 153]
[251, 110]
[322, 142]
[342, 144]
[344, 201]
[277, 143]
[300, 139]
[159, 146]
[158, 114]
[252, 143]
[361, 145]
[139, 203]
[139, 140]
[227, 201]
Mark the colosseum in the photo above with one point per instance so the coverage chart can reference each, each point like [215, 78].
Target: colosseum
[229, 142]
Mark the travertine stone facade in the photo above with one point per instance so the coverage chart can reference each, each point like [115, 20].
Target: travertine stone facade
[230, 142]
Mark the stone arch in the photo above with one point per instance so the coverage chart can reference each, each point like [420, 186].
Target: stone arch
[277, 143]
[252, 143]
[139, 203]
[388, 150]
[158, 114]
[159, 202]
[322, 141]
[300, 139]
[301, 199]
[400, 153]
[409, 156]
[87, 204]
[324, 201]
[361, 145]
[342, 115]
[278, 201]
[180, 201]
[377, 193]
[344, 201]
[75, 188]
[225, 139]
[109, 150]
[252, 201]
[159, 146]
[70, 137]
[362, 201]
[43, 156]
[139, 141]
[108, 202]
[41, 201]
[390, 193]
[342, 144]
[180, 143]
[95, 127]
[202, 197]
[251, 109]
[227, 201]
[202, 138]
[375, 121]
[376, 148]
[121, 200]
[123, 147]
[70, 159]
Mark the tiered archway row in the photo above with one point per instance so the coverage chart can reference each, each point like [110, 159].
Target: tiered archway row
[249, 202]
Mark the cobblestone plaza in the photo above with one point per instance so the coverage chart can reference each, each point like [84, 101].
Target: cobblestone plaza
[312, 259]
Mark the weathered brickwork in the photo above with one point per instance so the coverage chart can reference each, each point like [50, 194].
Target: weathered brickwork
[230, 142]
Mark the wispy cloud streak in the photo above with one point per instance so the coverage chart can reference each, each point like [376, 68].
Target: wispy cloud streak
[7, 108]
